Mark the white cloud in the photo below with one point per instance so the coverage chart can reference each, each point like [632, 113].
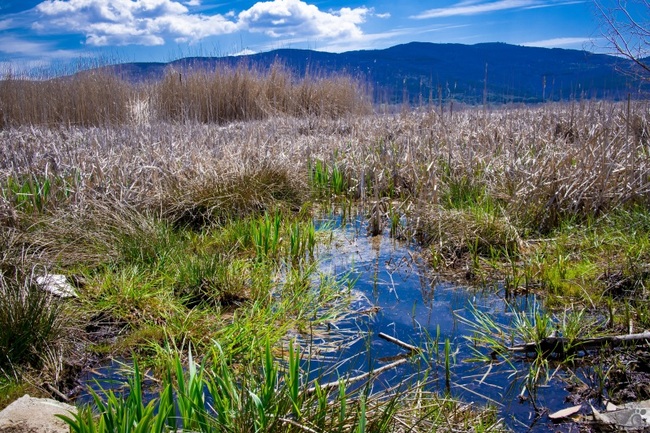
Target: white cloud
[115, 10]
[558, 42]
[154, 22]
[12, 45]
[6, 24]
[25, 57]
[244, 52]
[375, 40]
[384, 15]
[474, 8]
[289, 18]
[123, 22]
[190, 28]
[548, 5]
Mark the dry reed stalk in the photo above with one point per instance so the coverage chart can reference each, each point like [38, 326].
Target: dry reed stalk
[523, 159]
[98, 97]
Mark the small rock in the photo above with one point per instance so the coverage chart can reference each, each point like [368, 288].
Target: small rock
[35, 415]
[633, 418]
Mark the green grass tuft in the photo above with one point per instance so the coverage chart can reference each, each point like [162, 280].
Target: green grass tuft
[30, 321]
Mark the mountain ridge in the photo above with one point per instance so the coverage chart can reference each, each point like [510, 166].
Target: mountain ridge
[493, 72]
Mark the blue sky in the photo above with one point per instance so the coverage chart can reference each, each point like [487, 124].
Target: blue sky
[56, 33]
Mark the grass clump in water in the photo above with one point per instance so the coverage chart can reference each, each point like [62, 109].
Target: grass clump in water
[270, 395]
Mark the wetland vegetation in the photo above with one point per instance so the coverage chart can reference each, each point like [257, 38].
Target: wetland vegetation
[183, 213]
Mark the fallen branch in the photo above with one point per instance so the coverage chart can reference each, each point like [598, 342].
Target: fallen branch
[400, 343]
[296, 424]
[57, 393]
[553, 345]
[402, 359]
[331, 385]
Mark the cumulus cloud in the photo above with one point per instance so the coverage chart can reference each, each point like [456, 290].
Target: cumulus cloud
[123, 22]
[153, 22]
[294, 17]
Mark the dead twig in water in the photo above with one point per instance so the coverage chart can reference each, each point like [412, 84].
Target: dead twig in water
[331, 385]
[400, 343]
[553, 345]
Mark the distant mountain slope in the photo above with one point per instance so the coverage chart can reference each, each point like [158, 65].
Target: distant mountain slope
[426, 72]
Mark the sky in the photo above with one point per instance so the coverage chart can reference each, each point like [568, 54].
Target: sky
[72, 33]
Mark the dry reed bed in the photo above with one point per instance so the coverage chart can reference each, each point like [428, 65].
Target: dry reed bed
[538, 165]
[100, 98]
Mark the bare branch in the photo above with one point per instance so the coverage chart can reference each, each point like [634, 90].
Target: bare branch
[626, 28]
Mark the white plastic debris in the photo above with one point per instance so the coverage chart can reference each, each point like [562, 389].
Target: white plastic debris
[565, 413]
[56, 284]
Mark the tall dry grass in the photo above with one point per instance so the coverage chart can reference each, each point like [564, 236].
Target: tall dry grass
[535, 167]
[99, 97]
[244, 93]
[87, 99]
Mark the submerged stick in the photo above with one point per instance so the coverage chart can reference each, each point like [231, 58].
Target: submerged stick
[400, 343]
[558, 344]
[331, 385]
[412, 351]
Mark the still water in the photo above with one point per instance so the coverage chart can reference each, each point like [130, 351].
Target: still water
[395, 293]
[417, 309]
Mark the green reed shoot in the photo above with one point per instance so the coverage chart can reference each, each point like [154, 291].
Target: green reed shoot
[328, 181]
[395, 221]
[293, 379]
[125, 414]
[35, 193]
[222, 386]
[302, 240]
[296, 245]
[191, 404]
[338, 182]
[266, 235]
[258, 397]
[361, 426]
[447, 365]
[534, 325]
[29, 195]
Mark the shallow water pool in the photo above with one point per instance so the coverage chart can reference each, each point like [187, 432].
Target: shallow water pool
[396, 293]
[418, 310]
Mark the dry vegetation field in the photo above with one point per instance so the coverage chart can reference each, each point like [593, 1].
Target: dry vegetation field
[177, 207]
